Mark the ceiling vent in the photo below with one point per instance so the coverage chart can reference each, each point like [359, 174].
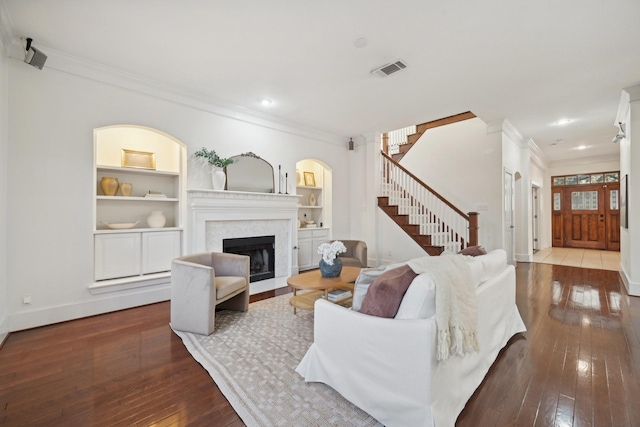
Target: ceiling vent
[389, 69]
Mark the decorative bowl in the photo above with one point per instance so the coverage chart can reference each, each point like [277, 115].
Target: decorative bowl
[120, 225]
[309, 222]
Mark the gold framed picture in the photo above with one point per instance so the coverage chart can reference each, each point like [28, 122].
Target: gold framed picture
[138, 159]
[309, 179]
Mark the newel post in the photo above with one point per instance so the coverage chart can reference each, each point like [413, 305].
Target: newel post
[473, 228]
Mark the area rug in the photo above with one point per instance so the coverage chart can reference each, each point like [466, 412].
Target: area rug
[252, 356]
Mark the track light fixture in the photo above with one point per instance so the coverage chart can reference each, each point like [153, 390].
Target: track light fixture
[33, 56]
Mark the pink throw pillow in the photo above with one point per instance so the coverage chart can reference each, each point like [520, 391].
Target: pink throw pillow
[386, 292]
[473, 251]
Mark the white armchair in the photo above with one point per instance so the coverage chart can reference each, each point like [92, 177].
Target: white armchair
[202, 282]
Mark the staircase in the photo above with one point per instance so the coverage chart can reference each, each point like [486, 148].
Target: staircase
[398, 143]
[428, 218]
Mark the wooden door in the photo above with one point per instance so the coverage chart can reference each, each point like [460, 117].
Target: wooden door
[612, 215]
[584, 218]
[557, 222]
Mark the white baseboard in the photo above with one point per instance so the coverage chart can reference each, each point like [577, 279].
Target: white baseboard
[524, 257]
[633, 288]
[50, 315]
[4, 329]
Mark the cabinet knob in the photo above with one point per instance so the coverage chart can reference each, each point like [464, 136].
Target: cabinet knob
[295, 247]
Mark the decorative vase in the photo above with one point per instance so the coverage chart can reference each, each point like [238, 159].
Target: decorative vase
[299, 180]
[218, 178]
[334, 270]
[312, 200]
[109, 185]
[126, 189]
[156, 219]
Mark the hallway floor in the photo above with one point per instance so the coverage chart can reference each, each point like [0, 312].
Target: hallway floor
[585, 258]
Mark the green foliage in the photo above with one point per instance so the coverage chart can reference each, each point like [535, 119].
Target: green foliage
[213, 159]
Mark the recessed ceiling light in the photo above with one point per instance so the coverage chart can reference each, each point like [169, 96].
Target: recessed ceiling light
[265, 102]
[581, 147]
[562, 122]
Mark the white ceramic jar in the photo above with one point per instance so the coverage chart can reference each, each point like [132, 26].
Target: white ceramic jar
[156, 219]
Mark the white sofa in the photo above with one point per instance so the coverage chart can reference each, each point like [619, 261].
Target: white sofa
[388, 367]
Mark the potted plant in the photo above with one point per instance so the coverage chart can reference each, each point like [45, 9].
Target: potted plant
[218, 176]
[330, 264]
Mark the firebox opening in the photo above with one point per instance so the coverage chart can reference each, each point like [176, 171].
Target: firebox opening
[261, 253]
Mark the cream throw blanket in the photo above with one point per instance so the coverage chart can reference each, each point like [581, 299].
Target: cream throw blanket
[456, 303]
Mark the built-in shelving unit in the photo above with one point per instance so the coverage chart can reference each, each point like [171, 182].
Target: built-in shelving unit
[141, 255]
[312, 236]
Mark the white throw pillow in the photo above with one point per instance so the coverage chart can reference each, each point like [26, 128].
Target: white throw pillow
[492, 263]
[366, 277]
[476, 268]
[419, 302]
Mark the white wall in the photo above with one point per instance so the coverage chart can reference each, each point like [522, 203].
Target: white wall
[585, 165]
[516, 160]
[463, 164]
[540, 178]
[4, 326]
[52, 115]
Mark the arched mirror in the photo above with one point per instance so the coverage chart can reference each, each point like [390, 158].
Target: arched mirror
[250, 173]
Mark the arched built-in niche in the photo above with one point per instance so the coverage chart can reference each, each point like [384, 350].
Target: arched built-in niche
[129, 245]
[314, 185]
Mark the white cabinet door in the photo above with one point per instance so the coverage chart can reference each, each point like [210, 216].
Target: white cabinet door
[158, 249]
[117, 255]
[308, 242]
[319, 237]
[305, 257]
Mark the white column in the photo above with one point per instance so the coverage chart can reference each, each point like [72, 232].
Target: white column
[629, 114]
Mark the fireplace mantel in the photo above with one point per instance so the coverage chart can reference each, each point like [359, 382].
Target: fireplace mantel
[214, 215]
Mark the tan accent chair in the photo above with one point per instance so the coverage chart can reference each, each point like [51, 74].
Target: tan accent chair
[356, 255]
[202, 282]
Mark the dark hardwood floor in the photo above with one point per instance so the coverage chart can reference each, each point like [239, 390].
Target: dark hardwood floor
[577, 365]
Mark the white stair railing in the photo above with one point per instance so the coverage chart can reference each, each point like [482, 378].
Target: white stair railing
[447, 226]
[398, 137]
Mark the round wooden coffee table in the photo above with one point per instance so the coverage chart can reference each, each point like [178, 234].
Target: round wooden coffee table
[315, 286]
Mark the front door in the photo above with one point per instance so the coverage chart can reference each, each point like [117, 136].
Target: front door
[584, 219]
[612, 215]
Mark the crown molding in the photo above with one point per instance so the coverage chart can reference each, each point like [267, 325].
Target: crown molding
[65, 63]
[623, 108]
[634, 93]
[506, 127]
[537, 155]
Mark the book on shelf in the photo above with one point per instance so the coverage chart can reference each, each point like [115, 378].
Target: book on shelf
[338, 294]
[155, 195]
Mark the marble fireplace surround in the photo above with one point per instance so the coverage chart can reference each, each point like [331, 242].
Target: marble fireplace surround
[215, 215]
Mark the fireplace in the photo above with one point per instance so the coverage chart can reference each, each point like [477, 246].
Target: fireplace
[261, 252]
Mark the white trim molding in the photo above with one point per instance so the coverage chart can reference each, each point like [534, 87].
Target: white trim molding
[633, 288]
[214, 215]
[70, 64]
[62, 313]
[509, 129]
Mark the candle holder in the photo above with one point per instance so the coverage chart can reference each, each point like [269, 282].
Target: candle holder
[279, 179]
